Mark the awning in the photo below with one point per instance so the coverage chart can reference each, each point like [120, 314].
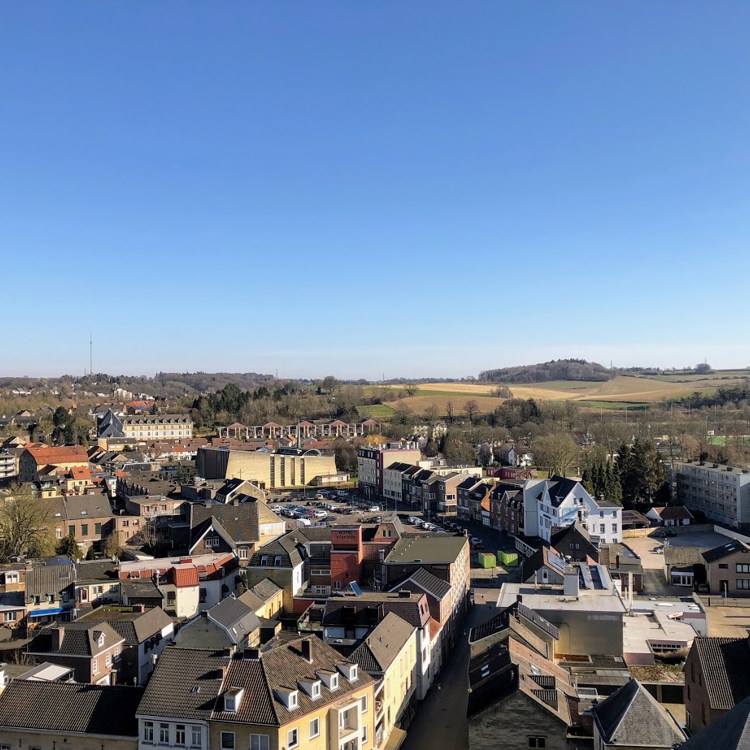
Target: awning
[395, 739]
[45, 612]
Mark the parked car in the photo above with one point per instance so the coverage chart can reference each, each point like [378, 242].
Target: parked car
[373, 508]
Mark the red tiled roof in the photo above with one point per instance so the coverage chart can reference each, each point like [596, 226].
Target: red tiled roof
[183, 577]
[80, 472]
[63, 454]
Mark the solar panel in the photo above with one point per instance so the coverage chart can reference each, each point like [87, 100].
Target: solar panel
[354, 586]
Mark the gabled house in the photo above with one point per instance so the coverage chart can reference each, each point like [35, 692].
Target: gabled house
[230, 624]
[728, 569]
[632, 717]
[97, 583]
[146, 633]
[42, 714]
[671, 515]
[300, 694]
[552, 504]
[507, 509]
[717, 678]
[239, 528]
[93, 651]
[389, 655]
[520, 700]
[729, 732]
[353, 618]
[187, 584]
[574, 542]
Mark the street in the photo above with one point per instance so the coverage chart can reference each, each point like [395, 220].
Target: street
[441, 718]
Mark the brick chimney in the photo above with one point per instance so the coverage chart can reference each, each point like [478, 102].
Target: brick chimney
[306, 646]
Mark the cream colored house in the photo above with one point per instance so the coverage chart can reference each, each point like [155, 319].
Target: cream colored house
[299, 695]
[389, 654]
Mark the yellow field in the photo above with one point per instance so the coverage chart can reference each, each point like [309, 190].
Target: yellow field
[623, 388]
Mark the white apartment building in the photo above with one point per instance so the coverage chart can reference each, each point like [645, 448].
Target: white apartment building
[722, 493]
[555, 503]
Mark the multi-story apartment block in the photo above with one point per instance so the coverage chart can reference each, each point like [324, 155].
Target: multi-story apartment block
[144, 426]
[371, 463]
[8, 464]
[721, 493]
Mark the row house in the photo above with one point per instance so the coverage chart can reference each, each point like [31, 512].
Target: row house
[145, 633]
[470, 493]
[371, 463]
[91, 650]
[239, 528]
[88, 518]
[393, 486]
[389, 655]
[352, 619]
[41, 714]
[506, 508]
[445, 557]
[50, 590]
[301, 693]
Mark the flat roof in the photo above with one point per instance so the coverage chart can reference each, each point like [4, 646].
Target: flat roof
[552, 600]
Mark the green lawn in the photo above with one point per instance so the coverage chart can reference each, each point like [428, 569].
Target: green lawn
[616, 405]
[375, 411]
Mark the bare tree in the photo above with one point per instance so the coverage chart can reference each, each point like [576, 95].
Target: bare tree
[557, 451]
[471, 407]
[24, 524]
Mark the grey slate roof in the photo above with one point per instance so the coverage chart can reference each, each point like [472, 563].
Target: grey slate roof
[731, 731]
[725, 663]
[378, 650]
[93, 571]
[631, 716]
[430, 583]
[730, 548]
[184, 684]
[71, 707]
[266, 589]
[134, 627]
[235, 616]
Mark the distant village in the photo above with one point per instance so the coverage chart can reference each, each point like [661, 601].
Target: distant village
[164, 588]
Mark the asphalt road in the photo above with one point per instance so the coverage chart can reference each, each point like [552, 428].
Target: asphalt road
[441, 721]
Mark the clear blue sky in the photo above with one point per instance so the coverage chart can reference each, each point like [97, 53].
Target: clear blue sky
[358, 188]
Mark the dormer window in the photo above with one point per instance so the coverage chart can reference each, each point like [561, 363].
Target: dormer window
[100, 640]
[349, 671]
[232, 699]
[329, 679]
[289, 697]
[264, 559]
[311, 687]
